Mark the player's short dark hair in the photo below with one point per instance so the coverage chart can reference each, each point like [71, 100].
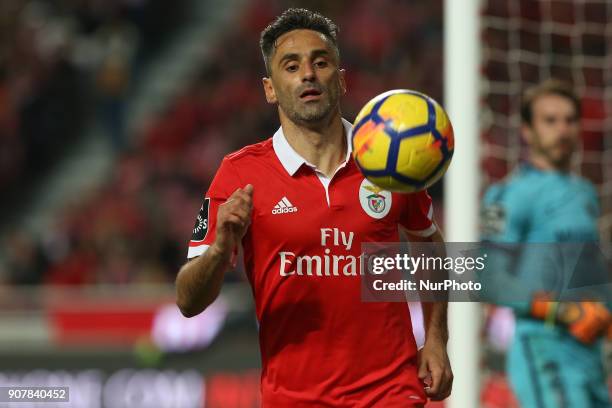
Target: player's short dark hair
[296, 19]
[547, 87]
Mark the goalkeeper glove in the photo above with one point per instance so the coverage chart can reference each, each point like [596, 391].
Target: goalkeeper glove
[584, 320]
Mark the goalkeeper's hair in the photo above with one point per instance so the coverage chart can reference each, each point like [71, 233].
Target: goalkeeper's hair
[296, 19]
[549, 87]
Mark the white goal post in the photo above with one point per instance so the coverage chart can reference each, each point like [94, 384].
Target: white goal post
[461, 184]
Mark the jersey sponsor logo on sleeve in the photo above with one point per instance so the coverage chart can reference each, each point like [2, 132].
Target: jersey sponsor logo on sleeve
[200, 229]
[284, 206]
[375, 201]
[492, 219]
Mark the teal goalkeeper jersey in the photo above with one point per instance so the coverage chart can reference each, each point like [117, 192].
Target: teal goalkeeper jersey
[546, 365]
[540, 206]
[533, 206]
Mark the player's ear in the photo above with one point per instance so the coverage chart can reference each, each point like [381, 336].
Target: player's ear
[342, 72]
[269, 90]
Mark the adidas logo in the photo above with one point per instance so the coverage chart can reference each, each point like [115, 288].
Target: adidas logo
[284, 206]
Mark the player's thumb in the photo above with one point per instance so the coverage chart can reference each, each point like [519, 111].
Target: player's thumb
[423, 372]
[423, 369]
[248, 189]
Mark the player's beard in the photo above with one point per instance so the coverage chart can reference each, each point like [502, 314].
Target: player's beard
[310, 112]
[558, 154]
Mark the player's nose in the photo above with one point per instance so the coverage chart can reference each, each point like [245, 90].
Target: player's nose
[308, 73]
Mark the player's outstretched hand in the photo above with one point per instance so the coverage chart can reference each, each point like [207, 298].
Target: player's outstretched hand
[233, 219]
[435, 370]
[586, 321]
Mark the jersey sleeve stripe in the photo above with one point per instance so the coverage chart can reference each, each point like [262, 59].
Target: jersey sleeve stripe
[425, 232]
[196, 250]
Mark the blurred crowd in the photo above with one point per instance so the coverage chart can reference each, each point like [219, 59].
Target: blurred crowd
[41, 89]
[63, 65]
[136, 226]
[62, 62]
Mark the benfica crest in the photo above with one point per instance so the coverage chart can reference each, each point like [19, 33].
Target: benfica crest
[375, 201]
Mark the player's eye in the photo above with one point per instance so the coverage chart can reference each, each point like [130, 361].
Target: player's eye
[292, 67]
[320, 63]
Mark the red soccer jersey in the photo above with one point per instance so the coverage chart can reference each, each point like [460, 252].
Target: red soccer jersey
[320, 344]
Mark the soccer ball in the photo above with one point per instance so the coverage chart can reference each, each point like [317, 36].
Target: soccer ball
[402, 141]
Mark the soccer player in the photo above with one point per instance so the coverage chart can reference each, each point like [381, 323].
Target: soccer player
[299, 208]
[555, 359]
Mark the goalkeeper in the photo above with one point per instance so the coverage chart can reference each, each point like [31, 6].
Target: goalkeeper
[555, 359]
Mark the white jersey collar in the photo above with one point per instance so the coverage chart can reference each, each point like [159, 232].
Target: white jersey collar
[291, 160]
